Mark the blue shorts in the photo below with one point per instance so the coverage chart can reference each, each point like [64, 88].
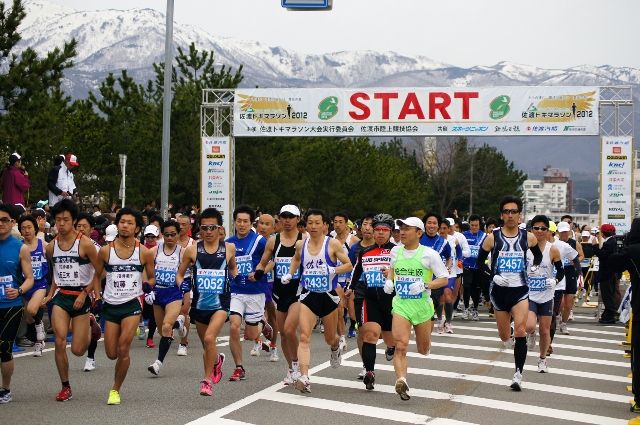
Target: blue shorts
[541, 309]
[505, 298]
[37, 285]
[451, 283]
[166, 296]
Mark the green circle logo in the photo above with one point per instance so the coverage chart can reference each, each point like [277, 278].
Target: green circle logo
[328, 108]
[499, 107]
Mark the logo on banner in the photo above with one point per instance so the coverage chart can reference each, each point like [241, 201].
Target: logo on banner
[499, 107]
[561, 108]
[215, 149]
[328, 108]
[616, 150]
[269, 110]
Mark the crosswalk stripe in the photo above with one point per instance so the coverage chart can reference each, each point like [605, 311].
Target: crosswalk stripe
[576, 392]
[573, 329]
[584, 418]
[557, 336]
[495, 363]
[533, 353]
[357, 409]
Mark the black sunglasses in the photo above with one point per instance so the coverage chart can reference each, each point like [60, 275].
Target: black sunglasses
[209, 227]
[513, 211]
[544, 229]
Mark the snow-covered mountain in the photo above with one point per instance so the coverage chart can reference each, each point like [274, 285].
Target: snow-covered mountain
[111, 40]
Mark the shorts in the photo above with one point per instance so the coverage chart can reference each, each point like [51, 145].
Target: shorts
[65, 302]
[416, 311]
[358, 302]
[541, 309]
[285, 295]
[571, 279]
[38, 285]
[451, 283]
[166, 296]
[186, 283]
[320, 303]
[268, 293]
[204, 316]
[248, 306]
[504, 298]
[116, 312]
[378, 310]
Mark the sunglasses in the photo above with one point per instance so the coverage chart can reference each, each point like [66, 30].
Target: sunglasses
[287, 215]
[170, 235]
[513, 211]
[209, 227]
[542, 228]
[150, 236]
[5, 220]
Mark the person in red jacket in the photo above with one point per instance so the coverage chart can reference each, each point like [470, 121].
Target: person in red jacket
[15, 181]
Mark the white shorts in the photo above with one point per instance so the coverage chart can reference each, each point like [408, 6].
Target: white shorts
[248, 306]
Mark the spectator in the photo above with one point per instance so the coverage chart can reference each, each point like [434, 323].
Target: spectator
[60, 181]
[607, 276]
[15, 181]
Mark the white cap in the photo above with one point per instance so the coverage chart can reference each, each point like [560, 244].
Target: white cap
[411, 221]
[585, 233]
[450, 221]
[563, 226]
[522, 226]
[111, 232]
[151, 230]
[17, 156]
[291, 209]
[594, 230]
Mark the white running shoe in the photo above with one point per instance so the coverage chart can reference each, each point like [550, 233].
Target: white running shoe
[531, 340]
[257, 347]
[563, 328]
[89, 365]
[542, 366]
[182, 350]
[140, 333]
[508, 344]
[40, 333]
[182, 330]
[342, 344]
[516, 383]
[321, 327]
[288, 380]
[336, 358]
[303, 384]
[440, 326]
[474, 315]
[273, 357]
[448, 327]
[37, 349]
[155, 367]
[465, 314]
[361, 374]
[570, 316]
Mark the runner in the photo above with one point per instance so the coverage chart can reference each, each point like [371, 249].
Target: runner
[74, 258]
[449, 293]
[472, 274]
[214, 264]
[265, 229]
[280, 249]
[28, 227]
[318, 256]
[415, 270]
[376, 308]
[542, 280]
[509, 292]
[124, 260]
[572, 271]
[14, 258]
[166, 297]
[185, 241]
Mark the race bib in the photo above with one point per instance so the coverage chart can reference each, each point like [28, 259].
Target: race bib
[165, 277]
[475, 250]
[282, 267]
[245, 264]
[68, 274]
[316, 281]
[36, 265]
[5, 283]
[510, 262]
[125, 285]
[210, 281]
[537, 283]
[374, 277]
[402, 284]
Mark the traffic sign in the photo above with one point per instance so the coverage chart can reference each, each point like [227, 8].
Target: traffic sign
[307, 4]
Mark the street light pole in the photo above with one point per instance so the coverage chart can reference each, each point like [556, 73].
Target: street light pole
[166, 112]
[589, 202]
[472, 150]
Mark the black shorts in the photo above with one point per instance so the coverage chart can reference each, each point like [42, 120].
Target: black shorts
[320, 303]
[504, 298]
[117, 312]
[571, 277]
[283, 303]
[285, 295]
[541, 309]
[378, 310]
[204, 316]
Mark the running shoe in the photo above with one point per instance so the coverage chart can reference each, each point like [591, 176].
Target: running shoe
[474, 315]
[267, 330]
[303, 384]
[64, 394]
[351, 333]
[570, 315]
[440, 326]
[563, 328]
[257, 347]
[37, 349]
[448, 327]
[389, 352]
[635, 408]
[336, 358]
[288, 380]
[150, 343]
[140, 332]
[205, 388]
[216, 373]
[182, 350]
[154, 367]
[114, 398]
[238, 374]
[531, 340]
[182, 329]
[321, 327]
[465, 314]
[273, 357]
[41, 335]
[342, 344]
[542, 366]
[89, 365]
[361, 374]
[369, 380]
[402, 389]
[5, 396]
[516, 383]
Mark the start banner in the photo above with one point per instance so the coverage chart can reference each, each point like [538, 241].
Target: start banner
[616, 182]
[430, 111]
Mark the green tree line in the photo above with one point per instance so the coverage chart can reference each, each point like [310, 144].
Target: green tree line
[123, 116]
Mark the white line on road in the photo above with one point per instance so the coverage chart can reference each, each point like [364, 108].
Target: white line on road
[558, 335]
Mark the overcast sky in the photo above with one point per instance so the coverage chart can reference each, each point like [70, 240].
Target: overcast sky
[545, 33]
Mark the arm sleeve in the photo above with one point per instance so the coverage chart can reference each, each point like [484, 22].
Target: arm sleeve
[464, 244]
[537, 254]
[559, 270]
[357, 271]
[52, 180]
[482, 257]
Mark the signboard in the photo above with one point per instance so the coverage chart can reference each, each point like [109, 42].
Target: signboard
[306, 4]
[215, 175]
[431, 111]
[616, 182]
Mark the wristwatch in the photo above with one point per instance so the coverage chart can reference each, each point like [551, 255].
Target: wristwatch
[20, 291]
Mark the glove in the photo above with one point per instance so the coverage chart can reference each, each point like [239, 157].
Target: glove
[500, 280]
[416, 288]
[551, 282]
[146, 288]
[286, 278]
[150, 297]
[332, 270]
[185, 287]
[388, 287]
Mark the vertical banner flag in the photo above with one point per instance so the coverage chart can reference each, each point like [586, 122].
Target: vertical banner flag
[616, 182]
[215, 176]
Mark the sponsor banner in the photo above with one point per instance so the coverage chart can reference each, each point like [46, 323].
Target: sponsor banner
[616, 182]
[215, 175]
[431, 111]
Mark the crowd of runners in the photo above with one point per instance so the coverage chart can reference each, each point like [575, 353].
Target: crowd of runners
[276, 279]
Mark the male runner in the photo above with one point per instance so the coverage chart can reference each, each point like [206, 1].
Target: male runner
[347, 239]
[432, 239]
[185, 241]
[572, 270]
[472, 274]
[266, 229]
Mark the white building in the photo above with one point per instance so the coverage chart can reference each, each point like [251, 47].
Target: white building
[550, 196]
